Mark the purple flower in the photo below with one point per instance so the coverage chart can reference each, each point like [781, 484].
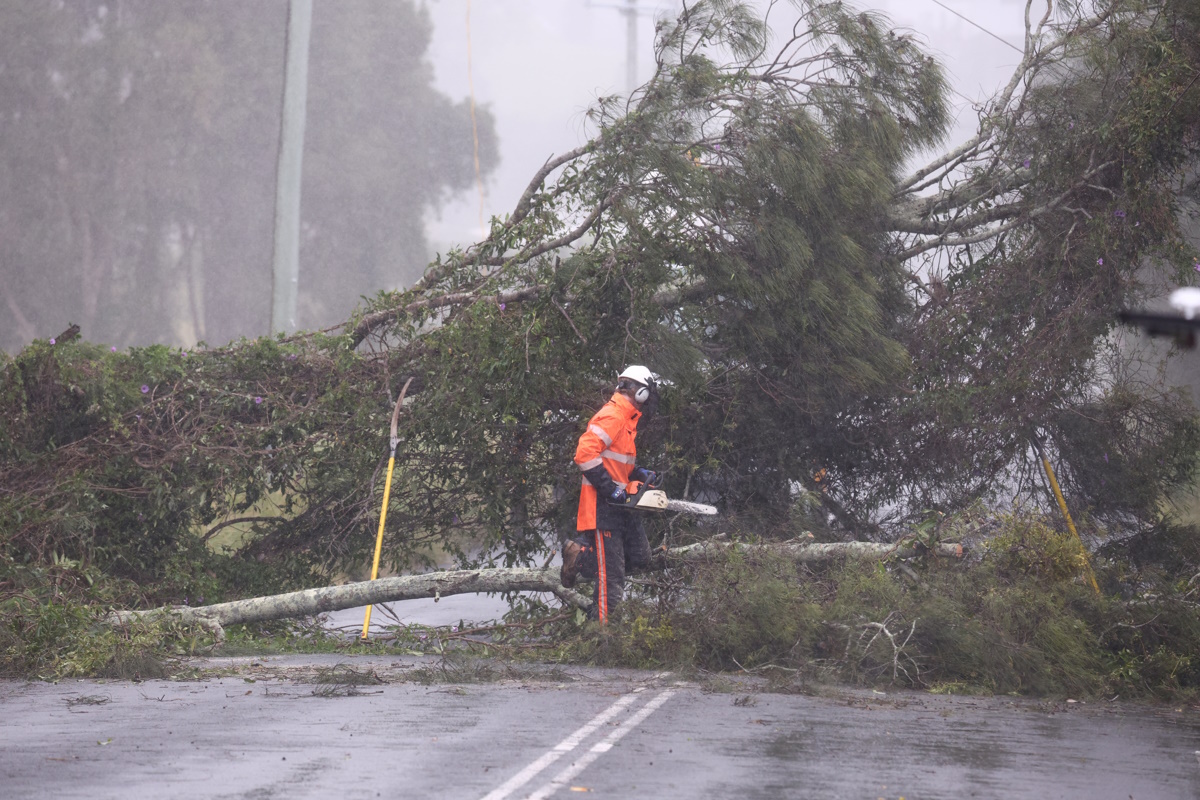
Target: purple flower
[1070, 126]
[1119, 214]
[1100, 261]
[258, 401]
[422, 637]
[1106, 458]
[1196, 266]
[1027, 163]
[502, 307]
[113, 349]
[145, 388]
[185, 354]
[52, 340]
[454, 629]
[292, 357]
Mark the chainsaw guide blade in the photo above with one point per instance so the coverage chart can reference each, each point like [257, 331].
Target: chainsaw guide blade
[643, 498]
[691, 508]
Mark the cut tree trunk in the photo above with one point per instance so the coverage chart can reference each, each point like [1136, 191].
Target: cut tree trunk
[310, 602]
[814, 552]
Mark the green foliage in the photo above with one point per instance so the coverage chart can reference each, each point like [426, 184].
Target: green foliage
[1025, 548]
[1124, 454]
[744, 612]
[117, 464]
[1020, 620]
[60, 638]
[740, 613]
[289, 636]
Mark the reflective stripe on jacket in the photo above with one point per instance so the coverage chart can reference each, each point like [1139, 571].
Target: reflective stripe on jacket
[608, 440]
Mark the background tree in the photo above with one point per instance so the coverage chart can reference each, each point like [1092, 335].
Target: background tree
[139, 164]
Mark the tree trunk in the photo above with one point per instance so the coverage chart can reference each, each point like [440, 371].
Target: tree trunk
[309, 602]
[815, 552]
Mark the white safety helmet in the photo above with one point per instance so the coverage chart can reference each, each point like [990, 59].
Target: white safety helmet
[646, 379]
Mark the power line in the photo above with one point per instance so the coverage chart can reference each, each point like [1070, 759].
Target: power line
[980, 27]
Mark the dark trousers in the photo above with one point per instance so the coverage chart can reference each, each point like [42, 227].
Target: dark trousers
[606, 557]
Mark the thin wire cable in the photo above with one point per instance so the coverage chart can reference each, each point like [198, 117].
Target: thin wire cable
[977, 25]
[474, 125]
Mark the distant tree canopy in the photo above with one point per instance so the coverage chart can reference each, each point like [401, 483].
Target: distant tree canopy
[138, 171]
[745, 225]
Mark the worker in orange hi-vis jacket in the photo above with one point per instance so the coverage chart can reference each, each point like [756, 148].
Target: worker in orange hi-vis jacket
[611, 538]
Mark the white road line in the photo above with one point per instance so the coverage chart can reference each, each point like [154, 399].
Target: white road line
[581, 763]
[565, 746]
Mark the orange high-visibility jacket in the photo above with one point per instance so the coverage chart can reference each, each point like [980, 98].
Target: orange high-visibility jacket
[608, 440]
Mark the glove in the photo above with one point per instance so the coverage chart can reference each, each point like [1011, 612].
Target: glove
[649, 477]
[606, 488]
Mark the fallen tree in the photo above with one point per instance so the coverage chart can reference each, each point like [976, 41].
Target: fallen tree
[306, 603]
[850, 350]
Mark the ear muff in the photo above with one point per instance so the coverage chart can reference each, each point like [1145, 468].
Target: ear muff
[642, 394]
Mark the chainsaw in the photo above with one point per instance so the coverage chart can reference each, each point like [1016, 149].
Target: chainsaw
[641, 497]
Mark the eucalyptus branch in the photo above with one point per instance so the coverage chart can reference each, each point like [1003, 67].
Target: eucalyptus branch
[371, 322]
[1015, 214]
[939, 227]
[545, 247]
[520, 212]
[997, 112]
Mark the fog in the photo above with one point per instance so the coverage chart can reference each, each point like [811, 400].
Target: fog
[141, 136]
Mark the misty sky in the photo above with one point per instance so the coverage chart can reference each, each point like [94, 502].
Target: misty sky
[539, 64]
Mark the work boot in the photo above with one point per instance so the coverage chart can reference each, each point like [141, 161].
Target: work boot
[570, 566]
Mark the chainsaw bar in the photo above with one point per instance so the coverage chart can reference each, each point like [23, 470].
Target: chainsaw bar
[691, 508]
[644, 498]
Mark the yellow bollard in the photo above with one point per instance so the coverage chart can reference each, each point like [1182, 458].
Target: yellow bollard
[387, 493]
[1062, 504]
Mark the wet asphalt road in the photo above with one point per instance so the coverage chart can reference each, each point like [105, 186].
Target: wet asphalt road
[567, 733]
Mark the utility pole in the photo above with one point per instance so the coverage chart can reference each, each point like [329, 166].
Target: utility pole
[631, 12]
[631, 15]
[285, 275]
